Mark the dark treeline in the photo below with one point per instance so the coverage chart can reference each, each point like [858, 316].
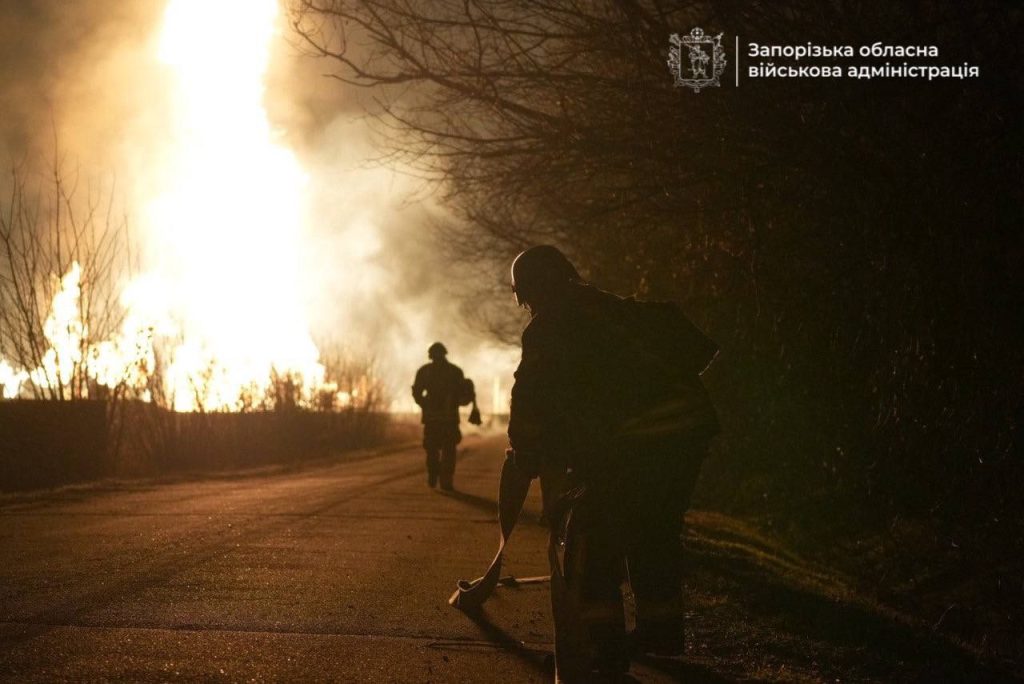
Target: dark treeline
[854, 245]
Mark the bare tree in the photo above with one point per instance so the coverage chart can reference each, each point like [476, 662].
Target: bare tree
[853, 244]
[352, 381]
[64, 257]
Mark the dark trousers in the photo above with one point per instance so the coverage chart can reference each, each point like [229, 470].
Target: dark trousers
[632, 520]
[441, 464]
[439, 441]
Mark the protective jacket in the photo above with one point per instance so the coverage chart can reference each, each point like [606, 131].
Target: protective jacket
[438, 390]
[603, 373]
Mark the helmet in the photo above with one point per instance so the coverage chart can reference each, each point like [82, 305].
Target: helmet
[538, 270]
[437, 351]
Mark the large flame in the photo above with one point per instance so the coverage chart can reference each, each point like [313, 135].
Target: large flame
[220, 300]
[227, 226]
[65, 332]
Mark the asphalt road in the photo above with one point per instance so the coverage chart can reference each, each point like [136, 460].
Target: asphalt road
[338, 572]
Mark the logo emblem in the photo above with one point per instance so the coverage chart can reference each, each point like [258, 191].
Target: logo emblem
[704, 63]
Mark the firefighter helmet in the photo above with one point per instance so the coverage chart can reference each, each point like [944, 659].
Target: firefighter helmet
[538, 271]
[437, 351]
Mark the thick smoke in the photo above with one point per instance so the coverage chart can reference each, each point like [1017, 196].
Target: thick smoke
[83, 78]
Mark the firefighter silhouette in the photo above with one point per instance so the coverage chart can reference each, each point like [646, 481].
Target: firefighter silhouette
[608, 409]
[439, 389]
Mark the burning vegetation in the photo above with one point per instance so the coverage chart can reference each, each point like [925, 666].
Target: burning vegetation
[214, 319]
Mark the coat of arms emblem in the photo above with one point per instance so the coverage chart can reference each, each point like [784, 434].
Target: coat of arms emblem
[704, 59]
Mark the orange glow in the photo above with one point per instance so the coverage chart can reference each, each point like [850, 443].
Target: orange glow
[226, 228]
[220, 300]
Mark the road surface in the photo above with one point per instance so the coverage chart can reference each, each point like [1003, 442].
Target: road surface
[342, 571]
[339, 572]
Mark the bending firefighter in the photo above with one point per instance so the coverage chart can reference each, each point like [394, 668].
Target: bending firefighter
[439, 389]
[609, 411]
